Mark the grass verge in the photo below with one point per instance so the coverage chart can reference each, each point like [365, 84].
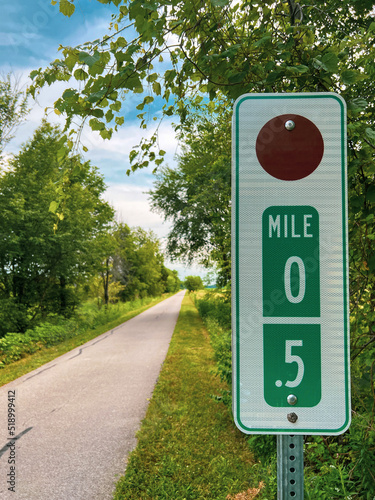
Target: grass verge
[187, 446]
[10, 372]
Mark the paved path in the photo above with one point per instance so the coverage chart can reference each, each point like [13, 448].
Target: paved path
[76, 417]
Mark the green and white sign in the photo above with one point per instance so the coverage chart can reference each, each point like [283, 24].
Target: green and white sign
[290, 265]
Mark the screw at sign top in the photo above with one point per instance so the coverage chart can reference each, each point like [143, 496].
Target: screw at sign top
[289, 125]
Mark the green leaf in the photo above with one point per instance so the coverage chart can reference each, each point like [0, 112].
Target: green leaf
[156, 87]
[109, 116]
[318, 63]
[370, 133]
[152, 77]
[357, 104]
[169, 75]
[53, 206]
[301, 68]
[106, 134]
[119, 120]
[80, 74]
[219, 3]
[95, 124]
[96, 96]
[133, 154]
[330, 62]
[62, 152]
[116, 106]
[348, 77]
[66, 8]
[370, 194]
[69, 93]
[88, 59]
[71, 61]
[98, 113]
[100, 65]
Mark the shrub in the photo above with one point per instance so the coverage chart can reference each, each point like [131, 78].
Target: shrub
[14, 346]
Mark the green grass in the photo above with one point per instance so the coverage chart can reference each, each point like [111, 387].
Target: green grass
[188, 447]
[28, 363]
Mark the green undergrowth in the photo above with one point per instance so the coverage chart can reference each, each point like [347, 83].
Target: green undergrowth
[187, 446]
[21, 353]
[336, 467]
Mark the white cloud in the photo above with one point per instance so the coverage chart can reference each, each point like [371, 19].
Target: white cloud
[132, 207]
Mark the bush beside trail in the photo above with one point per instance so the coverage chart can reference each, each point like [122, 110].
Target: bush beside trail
[14, 346]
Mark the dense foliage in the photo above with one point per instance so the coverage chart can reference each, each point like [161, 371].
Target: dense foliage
[40, 268]
[193, 283]
[215, 48]
[137, 264]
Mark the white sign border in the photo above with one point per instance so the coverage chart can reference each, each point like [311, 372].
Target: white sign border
[236, 271]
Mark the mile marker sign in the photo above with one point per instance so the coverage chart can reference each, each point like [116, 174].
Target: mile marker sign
[290, 264]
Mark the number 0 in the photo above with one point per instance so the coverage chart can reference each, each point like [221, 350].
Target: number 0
[302, 279]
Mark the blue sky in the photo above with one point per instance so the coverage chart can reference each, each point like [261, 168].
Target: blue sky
[30, 34]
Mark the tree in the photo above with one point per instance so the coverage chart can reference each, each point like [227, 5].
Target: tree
[131, 266]
[39, 267]
[137, 263]
[193, 283]
[196, 195]
[13, 108]
[171, 280]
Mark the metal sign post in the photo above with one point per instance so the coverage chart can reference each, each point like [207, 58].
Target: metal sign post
[289, 467]
[290, 269]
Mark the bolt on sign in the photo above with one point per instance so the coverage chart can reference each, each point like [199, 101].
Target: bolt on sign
[290, 264]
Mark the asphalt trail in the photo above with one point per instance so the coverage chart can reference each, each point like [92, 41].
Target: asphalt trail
[76, 417]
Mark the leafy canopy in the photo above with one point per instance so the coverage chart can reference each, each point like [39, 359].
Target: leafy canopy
[213, 47]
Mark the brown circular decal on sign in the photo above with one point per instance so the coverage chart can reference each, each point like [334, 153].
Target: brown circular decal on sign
[289, 147]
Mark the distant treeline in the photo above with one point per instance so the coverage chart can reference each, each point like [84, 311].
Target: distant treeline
[59, 243]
